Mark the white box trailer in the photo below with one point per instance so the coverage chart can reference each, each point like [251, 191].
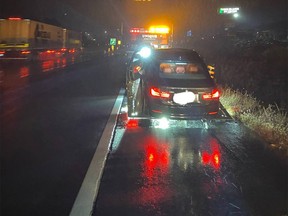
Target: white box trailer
[23, 38]
[72, 39]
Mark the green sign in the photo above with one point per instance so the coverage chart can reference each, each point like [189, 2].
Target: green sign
[221, 11]
[112, 41]
[228, 10]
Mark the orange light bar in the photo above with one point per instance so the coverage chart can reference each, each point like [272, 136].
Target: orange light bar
[159, 29]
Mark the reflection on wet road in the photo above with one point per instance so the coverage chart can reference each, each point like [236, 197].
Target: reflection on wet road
[49, 131]
[19, 73]
[190, 171]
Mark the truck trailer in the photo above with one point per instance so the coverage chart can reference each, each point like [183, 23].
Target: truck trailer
[33, 40]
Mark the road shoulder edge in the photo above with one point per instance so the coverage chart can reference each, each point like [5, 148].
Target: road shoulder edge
[84, 202]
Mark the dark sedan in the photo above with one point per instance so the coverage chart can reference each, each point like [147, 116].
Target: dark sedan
[172, 83]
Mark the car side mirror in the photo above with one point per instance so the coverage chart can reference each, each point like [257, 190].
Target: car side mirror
[211, 70]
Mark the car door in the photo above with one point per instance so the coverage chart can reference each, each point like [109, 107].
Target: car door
[133, 86]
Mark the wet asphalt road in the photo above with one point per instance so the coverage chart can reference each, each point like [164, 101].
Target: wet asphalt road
[50, 127]
[51, 122]
[189, 170]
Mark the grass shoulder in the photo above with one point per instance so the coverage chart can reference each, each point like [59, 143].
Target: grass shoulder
[269, 122]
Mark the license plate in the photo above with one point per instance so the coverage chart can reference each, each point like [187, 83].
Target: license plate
[184, 98]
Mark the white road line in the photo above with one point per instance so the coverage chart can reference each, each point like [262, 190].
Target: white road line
[83, 205]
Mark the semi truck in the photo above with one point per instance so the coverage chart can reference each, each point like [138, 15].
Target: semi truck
[33, 40]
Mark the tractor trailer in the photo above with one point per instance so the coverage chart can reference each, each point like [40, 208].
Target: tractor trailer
[33, 40]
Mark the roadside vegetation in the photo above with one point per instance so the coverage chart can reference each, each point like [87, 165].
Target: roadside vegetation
[268, 121]
[254, 79]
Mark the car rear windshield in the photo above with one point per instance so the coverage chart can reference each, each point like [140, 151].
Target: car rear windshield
[180, 70]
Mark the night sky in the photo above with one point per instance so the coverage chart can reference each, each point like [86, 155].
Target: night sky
[96, 15]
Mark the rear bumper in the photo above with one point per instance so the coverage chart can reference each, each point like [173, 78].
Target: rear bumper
[191, 111]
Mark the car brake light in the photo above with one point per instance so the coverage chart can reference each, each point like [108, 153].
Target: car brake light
[215, 94]
[156, 92]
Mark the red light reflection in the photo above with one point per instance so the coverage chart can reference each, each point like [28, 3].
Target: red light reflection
[64, 62]
[156, 158]
[48, 55]
[213, 157]
[155, 189]
[47, 65]
[24, 72]
[53, 63]
[73, 59]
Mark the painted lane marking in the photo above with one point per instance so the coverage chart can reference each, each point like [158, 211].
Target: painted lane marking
[87, 194]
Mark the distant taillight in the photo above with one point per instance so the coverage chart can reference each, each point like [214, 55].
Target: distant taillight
[15, 18]
[215, 94]
[50, 51]
[156, 92]
[25, 52]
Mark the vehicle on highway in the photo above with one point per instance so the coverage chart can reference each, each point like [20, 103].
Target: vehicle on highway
[157, 36]
[173, 83]
[33, 40]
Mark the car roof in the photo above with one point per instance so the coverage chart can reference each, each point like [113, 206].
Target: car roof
[177, 54]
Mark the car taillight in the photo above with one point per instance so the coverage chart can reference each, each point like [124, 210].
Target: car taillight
[25, 52]
[14, 18]
[156, 92]
[132, 123]
[215, 94]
